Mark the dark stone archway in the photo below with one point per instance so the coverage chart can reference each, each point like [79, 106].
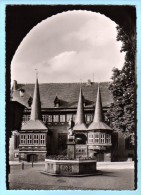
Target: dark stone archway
[20, 19]
[80, 138]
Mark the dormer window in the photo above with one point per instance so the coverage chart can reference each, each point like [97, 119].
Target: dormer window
[56, 102]
[89, 82]
[30, 101]
[22, 91]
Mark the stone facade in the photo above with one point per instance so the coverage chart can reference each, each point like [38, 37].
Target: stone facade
[14, 146]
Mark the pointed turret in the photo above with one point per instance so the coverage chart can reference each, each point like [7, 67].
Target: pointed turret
[80, 117]
[36, 105]
[98, 115]
[35, 121]
[98, 121]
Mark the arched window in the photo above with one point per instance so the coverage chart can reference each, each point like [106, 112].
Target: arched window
[80, 138]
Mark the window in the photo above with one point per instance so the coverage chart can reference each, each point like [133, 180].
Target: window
[26, 118]
[68, 117]
[49, 118]
[89, 118]
[62, 118]
[26, 110]
[29, 139]
[108, 138]
[102, 138]
[16, 155]
[36, 139]
[42, 139]
[91, 137]
[96, 137]
[44, 118]
[23, 139]
[56, 105]
[73, 117]
[16, 141]
[55, 118]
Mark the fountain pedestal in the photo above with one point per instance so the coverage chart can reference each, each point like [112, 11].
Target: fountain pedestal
[70, 166]
[71, 148]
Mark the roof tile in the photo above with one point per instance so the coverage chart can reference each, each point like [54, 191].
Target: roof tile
[66, 92]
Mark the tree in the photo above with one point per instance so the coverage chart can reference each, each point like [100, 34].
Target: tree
[121, 114]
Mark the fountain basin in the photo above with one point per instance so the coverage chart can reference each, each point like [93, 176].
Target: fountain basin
[74, 167]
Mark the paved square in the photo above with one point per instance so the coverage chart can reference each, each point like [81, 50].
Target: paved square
[116, 176]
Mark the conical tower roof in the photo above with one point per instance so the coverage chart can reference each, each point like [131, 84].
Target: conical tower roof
[80, 116]
[98, 121]
[98, 115]
[35, 121]
[36, 105]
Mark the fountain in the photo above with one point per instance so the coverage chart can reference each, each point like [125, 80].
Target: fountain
[70, 165]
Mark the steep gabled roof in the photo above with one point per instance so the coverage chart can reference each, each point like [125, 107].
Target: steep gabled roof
[98, 121]
[80, 116]
[67, 93]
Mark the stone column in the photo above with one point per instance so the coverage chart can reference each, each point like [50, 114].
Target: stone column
[71, 149]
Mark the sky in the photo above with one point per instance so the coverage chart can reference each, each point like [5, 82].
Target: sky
[69, 47]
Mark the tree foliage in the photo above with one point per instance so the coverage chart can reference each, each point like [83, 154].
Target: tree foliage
[121, 114]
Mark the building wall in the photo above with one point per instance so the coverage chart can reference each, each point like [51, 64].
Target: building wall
[15, 116]
[33, 148]
[32, 156]
[14, 146]
[57, 137]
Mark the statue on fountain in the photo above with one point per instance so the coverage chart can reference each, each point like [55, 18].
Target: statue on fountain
[71, 136]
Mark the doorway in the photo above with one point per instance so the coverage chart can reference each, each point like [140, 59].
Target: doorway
[62, 143]
[32, 158]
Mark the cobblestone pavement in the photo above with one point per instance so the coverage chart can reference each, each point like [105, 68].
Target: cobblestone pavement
[114, 177]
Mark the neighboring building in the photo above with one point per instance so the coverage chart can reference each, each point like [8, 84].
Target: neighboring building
[14, 146]
[59, 102]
